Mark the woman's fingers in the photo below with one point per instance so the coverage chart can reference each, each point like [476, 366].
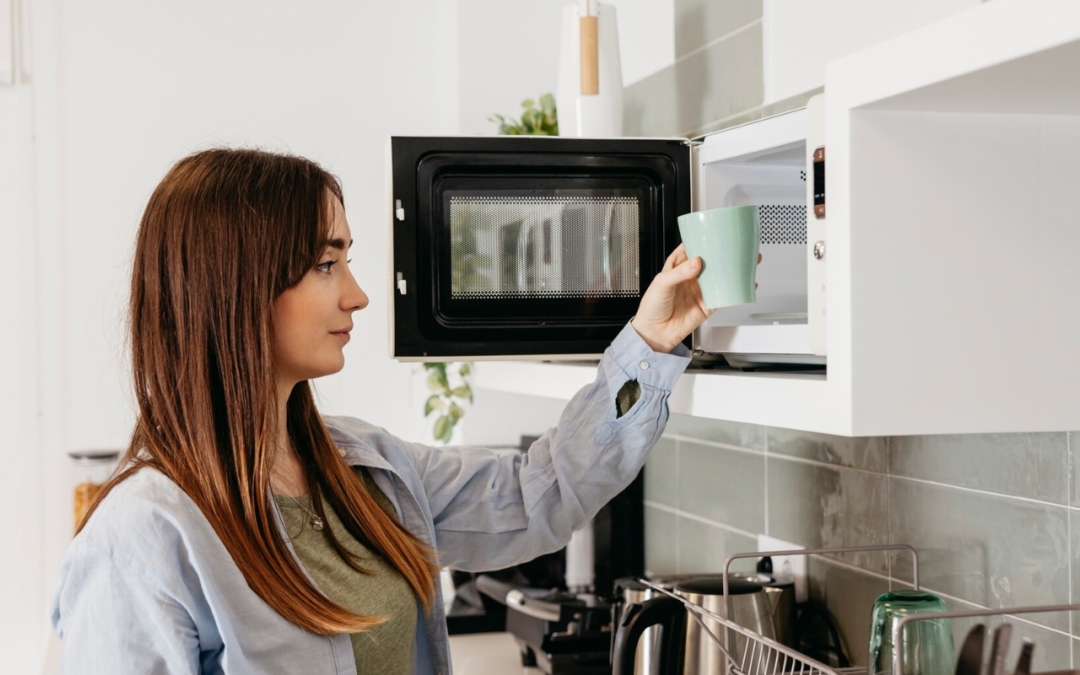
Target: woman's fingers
[677, 256]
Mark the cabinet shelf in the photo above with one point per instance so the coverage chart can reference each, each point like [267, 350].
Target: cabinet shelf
[719, 394]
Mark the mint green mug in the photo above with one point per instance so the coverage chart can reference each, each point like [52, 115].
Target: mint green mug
[727, 241]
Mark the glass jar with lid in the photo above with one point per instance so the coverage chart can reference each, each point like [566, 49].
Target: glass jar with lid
[92, 468]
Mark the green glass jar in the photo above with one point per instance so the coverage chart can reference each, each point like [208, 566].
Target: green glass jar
[927, 644]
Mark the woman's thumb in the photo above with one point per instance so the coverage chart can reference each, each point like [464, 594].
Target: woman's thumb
[688, 270]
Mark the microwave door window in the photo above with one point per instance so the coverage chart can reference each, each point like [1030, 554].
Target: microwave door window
[544, 247]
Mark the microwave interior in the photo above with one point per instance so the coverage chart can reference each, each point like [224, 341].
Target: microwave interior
[528, 247]
[773, 330]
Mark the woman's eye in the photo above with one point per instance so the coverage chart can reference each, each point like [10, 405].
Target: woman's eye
[325, 267]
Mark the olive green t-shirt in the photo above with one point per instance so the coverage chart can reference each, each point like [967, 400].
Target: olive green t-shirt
[386, 649]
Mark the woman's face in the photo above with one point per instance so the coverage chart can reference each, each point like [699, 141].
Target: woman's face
[312, 320]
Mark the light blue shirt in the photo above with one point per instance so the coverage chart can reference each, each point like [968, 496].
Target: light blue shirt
[148, 587]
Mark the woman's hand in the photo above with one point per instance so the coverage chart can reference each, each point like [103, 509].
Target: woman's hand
[672, 306]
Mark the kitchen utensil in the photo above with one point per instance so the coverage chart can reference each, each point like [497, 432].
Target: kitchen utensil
[999, 647]
[1023, 664]
[727, 240]
[630, 594]
[971, 653]
[780, 591]
[685, 646]
[927, 646]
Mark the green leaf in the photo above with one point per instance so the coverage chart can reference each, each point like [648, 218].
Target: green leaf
[462, 391]
[435, 366]
[465, 369]
[444, 427]
[433, 403]
[528, 103]
[437, 381]
[456, 412]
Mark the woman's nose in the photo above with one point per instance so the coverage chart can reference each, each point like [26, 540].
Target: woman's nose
[355, 298]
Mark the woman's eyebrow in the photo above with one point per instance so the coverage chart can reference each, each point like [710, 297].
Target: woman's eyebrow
[339, 244]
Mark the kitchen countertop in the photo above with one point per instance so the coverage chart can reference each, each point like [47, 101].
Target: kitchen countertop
[476, 654]
[487, 654]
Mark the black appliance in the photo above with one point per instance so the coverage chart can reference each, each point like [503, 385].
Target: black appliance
[618, 536]
[527, 246]
[559, 633]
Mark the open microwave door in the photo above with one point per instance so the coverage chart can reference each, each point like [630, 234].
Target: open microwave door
[527, 247]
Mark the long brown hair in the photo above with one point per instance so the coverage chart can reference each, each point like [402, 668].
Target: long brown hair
[224, 234]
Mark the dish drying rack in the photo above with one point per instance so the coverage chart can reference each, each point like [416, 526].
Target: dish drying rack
[765, 656]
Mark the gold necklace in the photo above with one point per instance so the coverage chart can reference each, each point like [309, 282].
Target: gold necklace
[316, 522]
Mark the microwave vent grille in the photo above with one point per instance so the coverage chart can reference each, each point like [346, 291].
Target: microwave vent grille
[783, 224]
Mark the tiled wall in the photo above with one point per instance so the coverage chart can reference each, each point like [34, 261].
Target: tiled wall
[992, 516]
[716, 80]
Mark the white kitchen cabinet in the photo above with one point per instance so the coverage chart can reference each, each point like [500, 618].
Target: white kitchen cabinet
[952, 241]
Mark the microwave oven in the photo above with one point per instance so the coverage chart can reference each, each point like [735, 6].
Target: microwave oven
[525, 247]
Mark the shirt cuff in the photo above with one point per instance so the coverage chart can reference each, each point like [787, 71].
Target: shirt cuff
[641, 363]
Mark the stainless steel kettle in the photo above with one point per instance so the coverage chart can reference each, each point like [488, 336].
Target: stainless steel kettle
[683, 646]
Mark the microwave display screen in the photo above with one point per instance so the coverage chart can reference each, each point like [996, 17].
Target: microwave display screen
[562, 245]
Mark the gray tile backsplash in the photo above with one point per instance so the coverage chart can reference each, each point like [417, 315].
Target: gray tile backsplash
[819, 506]
[661, 542]
[737, 434]
[990, 514]
[1072, 440]
[702, 548]
[848, 595]
[723, 485]
[858, 453]
[719, 81]
[986, 537]
[986, 549]
[1022, 465]
[661, 477]
[702, 22]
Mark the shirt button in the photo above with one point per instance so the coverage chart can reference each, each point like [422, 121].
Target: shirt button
[644, 365]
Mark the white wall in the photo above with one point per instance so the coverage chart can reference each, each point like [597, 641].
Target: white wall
[123, 91]
[21, 573]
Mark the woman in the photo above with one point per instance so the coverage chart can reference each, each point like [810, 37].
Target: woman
[247, 533]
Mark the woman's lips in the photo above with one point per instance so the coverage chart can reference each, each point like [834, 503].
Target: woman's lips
[344, 334]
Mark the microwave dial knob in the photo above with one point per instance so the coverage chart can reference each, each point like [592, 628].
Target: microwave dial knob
[819, 250]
